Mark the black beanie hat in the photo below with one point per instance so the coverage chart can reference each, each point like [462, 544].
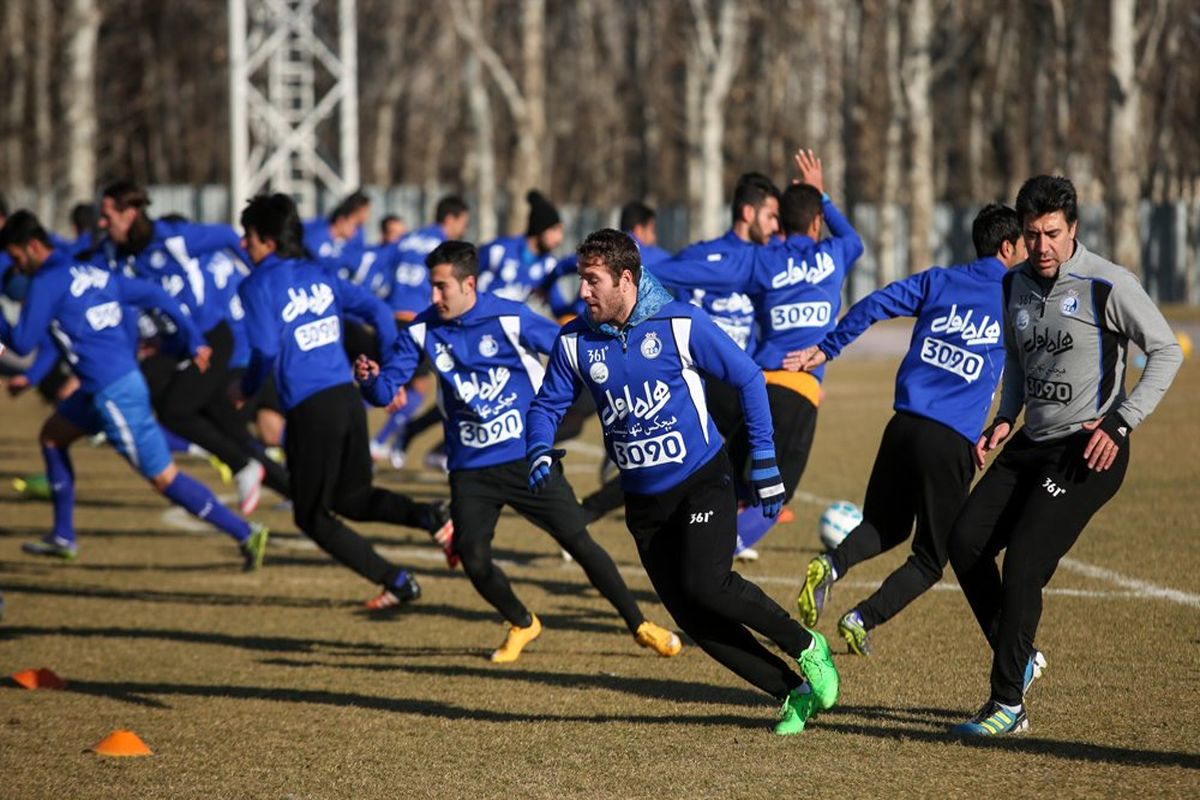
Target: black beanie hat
[542, 213]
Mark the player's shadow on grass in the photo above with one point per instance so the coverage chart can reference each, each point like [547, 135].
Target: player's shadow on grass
[149, 694]
[1067, 750]
[679, 691]
[36, 532]
[75, 592]
[268, 644]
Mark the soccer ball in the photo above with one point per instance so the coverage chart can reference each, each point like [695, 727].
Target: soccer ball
[836, 523]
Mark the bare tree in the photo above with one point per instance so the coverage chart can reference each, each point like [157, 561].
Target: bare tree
[889, 263]
[82, 26]
[43, 99]
[713, 57]
[17, 74]
[916, 71]
[526, 103]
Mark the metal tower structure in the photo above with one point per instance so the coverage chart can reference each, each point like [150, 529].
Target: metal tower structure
[290, 88]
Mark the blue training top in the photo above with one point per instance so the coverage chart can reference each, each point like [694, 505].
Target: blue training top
[294, 311]
[733, 311]
[956, 355]
[83, 308]
[509, 269]
[172, 259]
[487, 370]
[796, 286]
[647, 379]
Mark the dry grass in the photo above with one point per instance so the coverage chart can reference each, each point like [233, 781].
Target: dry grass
[277, 685]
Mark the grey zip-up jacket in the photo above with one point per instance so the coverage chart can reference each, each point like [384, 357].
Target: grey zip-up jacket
[1066, 347]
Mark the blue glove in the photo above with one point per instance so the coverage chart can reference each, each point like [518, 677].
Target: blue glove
[541, 460]
[768, 484]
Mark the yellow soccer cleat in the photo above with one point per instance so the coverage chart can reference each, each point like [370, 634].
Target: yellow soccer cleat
[660, 640]
[516, 640]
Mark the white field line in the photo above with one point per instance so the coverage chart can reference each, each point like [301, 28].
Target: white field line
[1131, 588]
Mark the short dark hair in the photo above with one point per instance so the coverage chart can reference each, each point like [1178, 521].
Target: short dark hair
[3, 206]
[21, 228]
[461, 256]
[352, 203]
[127, 194]
[388, 219]
[450, 206]
[635, 213]
[615, 249]
[1046, 194]
[273, 217]
[752, 189]
[83, 217]
[799, 206]
[994, 224]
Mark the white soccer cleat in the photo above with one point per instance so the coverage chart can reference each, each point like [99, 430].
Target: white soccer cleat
[249, 486]
[746, 554]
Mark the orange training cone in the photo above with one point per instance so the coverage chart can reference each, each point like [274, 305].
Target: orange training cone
[121, 743]
[39, 679]
[786, 515]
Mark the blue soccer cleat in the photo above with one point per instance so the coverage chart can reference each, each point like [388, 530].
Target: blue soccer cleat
[1033, 670]
[993, 720]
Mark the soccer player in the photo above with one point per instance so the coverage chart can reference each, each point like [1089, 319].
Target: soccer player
[755, 212]
[294, 311]
[86, 309]
[639, 221]
[391, 229]
[514, 267]
[643, 357]
[407, 293]
[944, 388]
[482, 347]
[336, 241]
[795, 287]
[1069, 316]
[191, 403]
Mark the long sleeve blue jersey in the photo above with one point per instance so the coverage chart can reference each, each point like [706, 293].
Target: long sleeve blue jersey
[84, 309]
[509, 269]
[647, 380]
[733, 311]
[173, 260]
[956, 355]
[488, 374]
[795, 286]
[294, 313]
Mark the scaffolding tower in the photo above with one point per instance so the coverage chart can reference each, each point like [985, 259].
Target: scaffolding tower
[278, 122]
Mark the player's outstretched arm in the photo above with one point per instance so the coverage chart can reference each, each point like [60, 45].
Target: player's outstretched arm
[559, 389]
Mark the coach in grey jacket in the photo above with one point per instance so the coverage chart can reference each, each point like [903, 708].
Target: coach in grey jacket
[1069, 316]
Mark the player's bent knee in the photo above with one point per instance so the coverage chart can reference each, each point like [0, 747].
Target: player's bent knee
[163, 479]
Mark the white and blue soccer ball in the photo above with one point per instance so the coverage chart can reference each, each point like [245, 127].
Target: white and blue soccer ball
[837, 521]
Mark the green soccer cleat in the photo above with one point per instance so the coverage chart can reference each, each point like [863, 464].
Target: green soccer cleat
[857, 637]
[993, 720]
[818, 584]
[255, 547]
[816, 662]
[52, 547]
[33, 487]
[798, 708]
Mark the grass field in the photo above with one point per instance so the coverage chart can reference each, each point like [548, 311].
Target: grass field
[278, 685]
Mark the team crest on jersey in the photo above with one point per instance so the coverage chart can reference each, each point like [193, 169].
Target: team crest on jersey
[598, 372]
[1070, 303]
[651, 345]
[158, 259]
[488, 347]
[1022, 319]
[443, 360]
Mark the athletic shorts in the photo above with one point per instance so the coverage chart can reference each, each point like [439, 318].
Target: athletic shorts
[122, 411]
